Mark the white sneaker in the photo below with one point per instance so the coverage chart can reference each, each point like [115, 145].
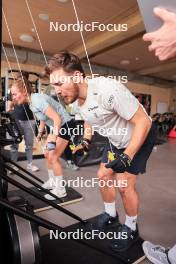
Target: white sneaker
[59, 192]
[49, 184]
[155, 253]
[72, 166]
[32, 168]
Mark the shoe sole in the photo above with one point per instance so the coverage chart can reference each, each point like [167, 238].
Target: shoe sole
[55, 198]
[125, 249]
[149, 257]
[32, 170]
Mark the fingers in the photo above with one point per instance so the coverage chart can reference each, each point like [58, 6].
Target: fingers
[38, 139]
[77, 148]
[165, 56]
[110, 164]
[164, 53]
[149, 37]
[163, 14]
[154, 46]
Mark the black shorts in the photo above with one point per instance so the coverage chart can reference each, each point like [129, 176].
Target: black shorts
[139, 161]
[67, 131]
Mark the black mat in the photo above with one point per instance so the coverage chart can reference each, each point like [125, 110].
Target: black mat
[72, 197]
[69, 251]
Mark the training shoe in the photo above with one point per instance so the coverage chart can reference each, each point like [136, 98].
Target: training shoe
[72, 166]
[49, 184]
[105, 220]
[32, 168]
[156, 253]
[59, 192]
[127, 238]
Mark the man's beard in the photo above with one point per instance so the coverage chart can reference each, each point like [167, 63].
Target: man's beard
[69, 100]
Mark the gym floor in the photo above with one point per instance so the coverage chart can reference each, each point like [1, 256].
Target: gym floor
[157, 187]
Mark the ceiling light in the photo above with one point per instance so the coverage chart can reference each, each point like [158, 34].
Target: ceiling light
[62, 1]
[137, 59]
[125, 62]
[27, 38]
[44, 17]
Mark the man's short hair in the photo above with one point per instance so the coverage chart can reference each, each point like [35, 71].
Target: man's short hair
[69, 62]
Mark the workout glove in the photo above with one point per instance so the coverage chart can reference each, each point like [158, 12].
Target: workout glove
[121, 163]
[82, 147]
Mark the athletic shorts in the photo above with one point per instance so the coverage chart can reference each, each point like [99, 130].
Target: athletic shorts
[67, 130]
[140, 159]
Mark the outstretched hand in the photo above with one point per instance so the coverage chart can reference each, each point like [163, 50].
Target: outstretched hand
[163, 41]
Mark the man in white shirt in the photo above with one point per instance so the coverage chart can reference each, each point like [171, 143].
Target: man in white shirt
[114, 112]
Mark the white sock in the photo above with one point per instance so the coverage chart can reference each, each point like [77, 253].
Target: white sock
[110, 209]
[131, 222]
[50, 173]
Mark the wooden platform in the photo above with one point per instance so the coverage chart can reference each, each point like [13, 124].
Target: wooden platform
[39, 206]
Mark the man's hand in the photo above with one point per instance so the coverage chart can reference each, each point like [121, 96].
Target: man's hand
[82, 147]
[39, 136]
[121, 163]
[163, 41]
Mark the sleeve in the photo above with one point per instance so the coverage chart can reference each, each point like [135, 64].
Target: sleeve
[119, 99]
[41, 102]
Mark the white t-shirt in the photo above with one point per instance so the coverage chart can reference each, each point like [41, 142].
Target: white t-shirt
[108, 108]
[75, 110]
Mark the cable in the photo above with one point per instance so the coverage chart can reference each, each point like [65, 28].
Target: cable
[85, 48]
[19, 67]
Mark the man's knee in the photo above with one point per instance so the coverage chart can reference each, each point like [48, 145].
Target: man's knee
[52, 158]
[29, 147]
[128, 185]
[104, 174]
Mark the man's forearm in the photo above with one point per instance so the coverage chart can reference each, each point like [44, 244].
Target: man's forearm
[10, 106]
[87, 131]
[57, 126]
[41, 127]
[139, 135]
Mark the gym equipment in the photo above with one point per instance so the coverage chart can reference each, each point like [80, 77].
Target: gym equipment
[89, 255]
[13, 129]
[96, 148]
[19, 234]
[39, 206]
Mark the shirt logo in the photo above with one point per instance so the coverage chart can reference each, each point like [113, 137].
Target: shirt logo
[92, 108]
[110, 101]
